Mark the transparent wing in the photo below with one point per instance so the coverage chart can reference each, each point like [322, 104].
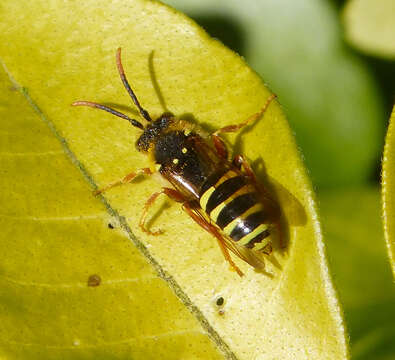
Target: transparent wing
[249, 256]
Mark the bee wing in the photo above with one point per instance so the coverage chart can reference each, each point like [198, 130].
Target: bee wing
[249, 256]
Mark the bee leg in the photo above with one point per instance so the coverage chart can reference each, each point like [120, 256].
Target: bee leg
[256, 116]
[171, 193]
[280, 233]
[189, 209]
[126, 179]
[240, 162]
[220, 146]
[267, 250]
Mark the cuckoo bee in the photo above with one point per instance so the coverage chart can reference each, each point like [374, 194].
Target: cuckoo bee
[223, 196]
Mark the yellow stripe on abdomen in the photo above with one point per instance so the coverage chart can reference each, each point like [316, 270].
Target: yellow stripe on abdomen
[244, 190]
[207, 194]
[246, 239]
[255, 208]
[205, 197]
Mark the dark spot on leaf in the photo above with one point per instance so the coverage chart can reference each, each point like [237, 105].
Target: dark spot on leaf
[110, 226]
[220, 301]
[94, 280]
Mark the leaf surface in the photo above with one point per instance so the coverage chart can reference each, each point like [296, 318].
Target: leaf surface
[388, 190]
[67, 54]
[55, 236]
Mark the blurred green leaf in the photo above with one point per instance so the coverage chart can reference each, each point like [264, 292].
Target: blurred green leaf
[356, 249]
[329, 97]
[46, 309]
[388, 190]
[370, 26]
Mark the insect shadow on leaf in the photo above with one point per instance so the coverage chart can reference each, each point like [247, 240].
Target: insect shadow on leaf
[155, 83]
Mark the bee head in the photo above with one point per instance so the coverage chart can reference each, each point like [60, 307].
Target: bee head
[153, 130]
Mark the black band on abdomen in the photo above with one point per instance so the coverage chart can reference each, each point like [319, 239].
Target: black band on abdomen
[236, 208]
[223, 191]
[247, 225]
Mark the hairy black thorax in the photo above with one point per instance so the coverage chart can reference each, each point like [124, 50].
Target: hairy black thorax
[153, 131]
[177, 153]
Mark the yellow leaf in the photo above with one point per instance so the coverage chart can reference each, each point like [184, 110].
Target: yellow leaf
[55, 237]
[388, 190]
[63, 52]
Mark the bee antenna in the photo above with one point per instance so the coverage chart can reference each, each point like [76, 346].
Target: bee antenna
[144, 113]
[111, 111]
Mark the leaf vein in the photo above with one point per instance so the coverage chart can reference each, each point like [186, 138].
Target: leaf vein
[77, 345]
[21, 154]
[76, 284]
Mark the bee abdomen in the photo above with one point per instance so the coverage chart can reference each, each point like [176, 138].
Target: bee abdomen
[250, 231]
[233, 204]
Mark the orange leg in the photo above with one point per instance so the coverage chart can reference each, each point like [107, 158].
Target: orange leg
[220, 146]
[240, 162]
[171, 193]
[214, 231]
[280, 235]
[237, 127]
[267, 249]
[176, 196]
[126, 179]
